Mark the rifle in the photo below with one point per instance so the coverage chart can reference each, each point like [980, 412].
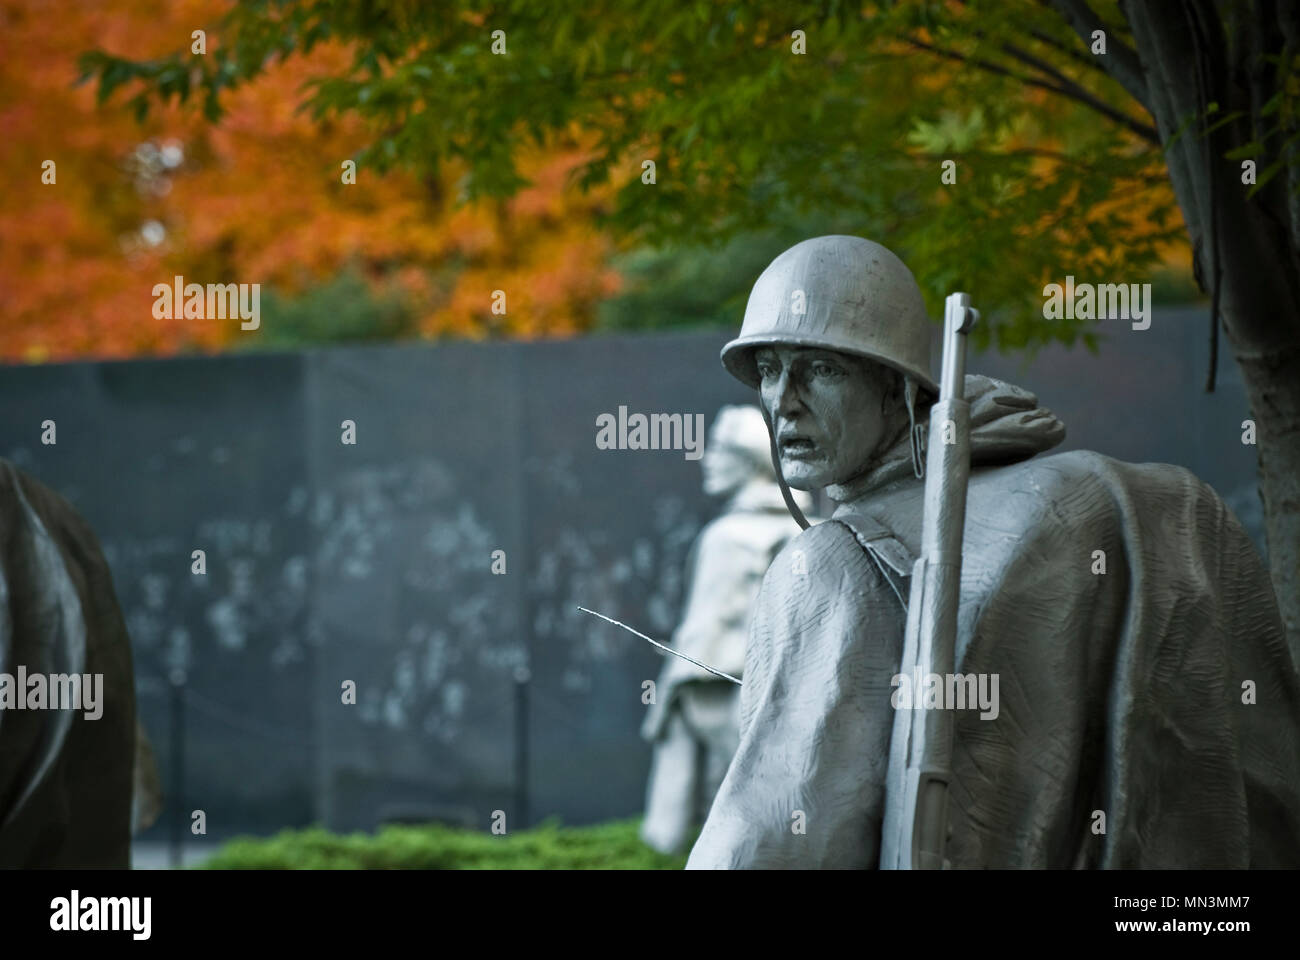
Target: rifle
[915, 830]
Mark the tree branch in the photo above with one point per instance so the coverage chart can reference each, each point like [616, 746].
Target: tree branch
[1067, 84]
[1083, 59]
[1042, 66]
[1150, 179]
[1074, 92]
[1120, 61]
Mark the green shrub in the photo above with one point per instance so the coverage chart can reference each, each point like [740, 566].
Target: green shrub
[606, 846]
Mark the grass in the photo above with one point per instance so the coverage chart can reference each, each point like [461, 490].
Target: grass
[607, 846]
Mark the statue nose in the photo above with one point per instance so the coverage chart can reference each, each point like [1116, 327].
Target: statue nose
[785, 396]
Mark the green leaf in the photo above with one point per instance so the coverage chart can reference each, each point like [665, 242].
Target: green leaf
[1245, 152]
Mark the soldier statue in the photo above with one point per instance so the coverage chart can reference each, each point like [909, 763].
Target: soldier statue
[1148, 708]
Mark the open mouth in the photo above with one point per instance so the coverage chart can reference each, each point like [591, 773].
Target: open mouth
[797, 448]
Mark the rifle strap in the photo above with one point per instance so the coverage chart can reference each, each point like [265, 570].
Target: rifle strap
[889, 554]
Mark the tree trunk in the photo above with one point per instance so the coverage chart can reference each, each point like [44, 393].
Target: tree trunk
[1273, 385]
[1185, 59]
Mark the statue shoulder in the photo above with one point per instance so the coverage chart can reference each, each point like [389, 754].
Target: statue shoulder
[817, 557]
[1066, 488]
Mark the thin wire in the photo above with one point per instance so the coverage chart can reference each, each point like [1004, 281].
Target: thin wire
[705, 666]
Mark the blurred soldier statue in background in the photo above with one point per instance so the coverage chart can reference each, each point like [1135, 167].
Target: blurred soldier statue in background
[694, 720]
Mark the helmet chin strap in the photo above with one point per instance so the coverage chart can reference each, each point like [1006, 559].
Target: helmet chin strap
[790, 505]
[915, 430]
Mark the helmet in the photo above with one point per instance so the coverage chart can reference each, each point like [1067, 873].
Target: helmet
[840, 293]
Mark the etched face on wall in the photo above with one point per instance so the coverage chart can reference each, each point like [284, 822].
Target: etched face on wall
[832, 412]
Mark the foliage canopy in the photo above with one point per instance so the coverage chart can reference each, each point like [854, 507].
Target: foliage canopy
[1056, 170]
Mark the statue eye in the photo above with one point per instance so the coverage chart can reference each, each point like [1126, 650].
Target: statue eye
[823, 369]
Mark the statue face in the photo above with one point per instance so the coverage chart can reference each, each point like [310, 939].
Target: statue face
[828, 412]
[725, 470]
